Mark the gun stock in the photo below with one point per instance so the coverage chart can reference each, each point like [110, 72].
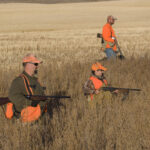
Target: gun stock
[99, 35]
[4, 100]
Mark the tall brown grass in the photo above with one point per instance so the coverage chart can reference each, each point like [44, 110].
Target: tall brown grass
[72, 125]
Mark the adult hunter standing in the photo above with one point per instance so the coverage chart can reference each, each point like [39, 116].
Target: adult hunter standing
[26, 84]
[110, 41]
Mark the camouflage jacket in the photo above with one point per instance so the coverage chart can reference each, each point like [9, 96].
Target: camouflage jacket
[88, 87]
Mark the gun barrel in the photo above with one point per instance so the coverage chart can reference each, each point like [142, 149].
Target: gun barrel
[135, 90]
[115, 88]
[128, 89]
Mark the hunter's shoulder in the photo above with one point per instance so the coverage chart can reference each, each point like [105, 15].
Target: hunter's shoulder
[88, 83]
[107, 26]
[17, 79]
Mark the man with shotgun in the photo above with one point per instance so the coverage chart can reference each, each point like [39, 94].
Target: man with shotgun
[25, 84]
[26, 95]
[109, 40]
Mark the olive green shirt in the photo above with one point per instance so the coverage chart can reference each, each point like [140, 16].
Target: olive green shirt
[18, 90]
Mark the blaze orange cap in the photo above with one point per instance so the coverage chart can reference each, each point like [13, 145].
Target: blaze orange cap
[31, 58]
[98, 66]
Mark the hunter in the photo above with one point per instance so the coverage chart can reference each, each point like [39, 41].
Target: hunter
[96, 81]
[26, 84]
[110, 41]
[92, 86]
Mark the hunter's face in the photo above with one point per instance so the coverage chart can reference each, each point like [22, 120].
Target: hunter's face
[112, 20]
[32, 67]
[99, 73]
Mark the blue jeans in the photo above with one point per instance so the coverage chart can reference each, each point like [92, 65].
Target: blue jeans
[110, 53]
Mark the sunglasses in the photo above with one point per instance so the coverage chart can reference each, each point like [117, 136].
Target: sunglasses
[35, 64]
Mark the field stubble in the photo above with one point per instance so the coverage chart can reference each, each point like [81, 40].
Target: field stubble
[67, 61]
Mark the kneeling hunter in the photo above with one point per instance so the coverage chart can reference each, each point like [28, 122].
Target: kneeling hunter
[96, 81]
[26, 84]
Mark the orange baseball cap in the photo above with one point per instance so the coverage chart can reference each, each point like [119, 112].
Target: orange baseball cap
[98, 66]
[31, 58]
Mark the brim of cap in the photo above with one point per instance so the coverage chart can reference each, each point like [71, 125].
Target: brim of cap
[32, 60]
[100, 68]
[115, 18]
[103, 68]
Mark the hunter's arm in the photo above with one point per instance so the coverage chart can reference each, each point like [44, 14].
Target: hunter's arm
[16, 94]
[88, 87]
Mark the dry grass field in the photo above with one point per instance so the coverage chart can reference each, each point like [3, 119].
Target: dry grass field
[64, 37]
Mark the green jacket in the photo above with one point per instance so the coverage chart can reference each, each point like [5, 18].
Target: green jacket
[18, 90]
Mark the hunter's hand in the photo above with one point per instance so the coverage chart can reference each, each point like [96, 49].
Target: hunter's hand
[116, 91]
[97, 92]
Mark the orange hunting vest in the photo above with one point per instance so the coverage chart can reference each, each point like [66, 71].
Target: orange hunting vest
[97, 84]
[29, 113]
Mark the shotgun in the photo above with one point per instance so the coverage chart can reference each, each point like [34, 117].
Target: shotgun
[5, 100]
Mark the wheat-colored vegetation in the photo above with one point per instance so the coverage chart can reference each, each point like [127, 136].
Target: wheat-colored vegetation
[64, 37]
[48, 1]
